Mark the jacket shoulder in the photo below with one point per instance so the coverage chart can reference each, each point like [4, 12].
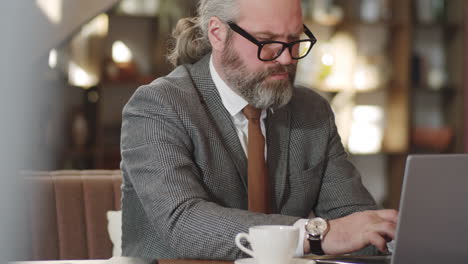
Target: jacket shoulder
[179, 80]
[306, 98]
[174, 88]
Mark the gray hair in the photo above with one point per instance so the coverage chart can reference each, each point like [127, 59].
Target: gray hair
[191, 33]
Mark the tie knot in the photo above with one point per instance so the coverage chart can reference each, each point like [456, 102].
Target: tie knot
[251, 112]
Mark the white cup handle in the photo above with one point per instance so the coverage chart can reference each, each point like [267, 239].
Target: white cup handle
[245, 236]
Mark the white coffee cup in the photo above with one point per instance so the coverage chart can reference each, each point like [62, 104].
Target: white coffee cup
[271, 244]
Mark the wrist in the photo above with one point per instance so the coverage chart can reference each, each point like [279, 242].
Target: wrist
[327, 243]
[306, 245]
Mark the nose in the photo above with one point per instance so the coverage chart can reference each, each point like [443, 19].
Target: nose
[285, 57]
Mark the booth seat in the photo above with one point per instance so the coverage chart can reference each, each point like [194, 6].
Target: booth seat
[67, 213]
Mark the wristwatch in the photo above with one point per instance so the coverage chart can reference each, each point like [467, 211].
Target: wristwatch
[316, 229]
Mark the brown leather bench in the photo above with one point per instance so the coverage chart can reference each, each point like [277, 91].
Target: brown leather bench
[67, 213]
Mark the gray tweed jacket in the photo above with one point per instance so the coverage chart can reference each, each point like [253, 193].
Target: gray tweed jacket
[185, 173]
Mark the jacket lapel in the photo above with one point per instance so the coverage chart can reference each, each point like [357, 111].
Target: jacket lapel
[278, 133]
[221, 117]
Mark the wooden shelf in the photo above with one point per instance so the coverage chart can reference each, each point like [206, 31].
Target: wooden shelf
[440, 24]
[444, 90]
[359, 23]
[381, 23]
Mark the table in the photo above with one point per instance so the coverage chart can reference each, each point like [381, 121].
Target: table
[127, 260]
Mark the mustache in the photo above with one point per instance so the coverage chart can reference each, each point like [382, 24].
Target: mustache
[290, 69]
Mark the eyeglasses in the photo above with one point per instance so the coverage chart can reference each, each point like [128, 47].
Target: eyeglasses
[271, 50]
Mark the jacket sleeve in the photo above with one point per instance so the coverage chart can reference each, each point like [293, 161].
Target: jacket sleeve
[342, 191]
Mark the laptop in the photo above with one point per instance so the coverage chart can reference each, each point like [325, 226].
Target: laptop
[433, 224]
[433, 219]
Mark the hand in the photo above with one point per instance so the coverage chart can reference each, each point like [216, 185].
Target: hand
[358, 230]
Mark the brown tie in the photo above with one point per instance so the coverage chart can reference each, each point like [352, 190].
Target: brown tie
[258, 190]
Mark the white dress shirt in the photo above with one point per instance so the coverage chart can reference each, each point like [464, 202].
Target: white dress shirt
[234, 104]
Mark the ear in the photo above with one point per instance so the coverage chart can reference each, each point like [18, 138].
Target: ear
[217, 32]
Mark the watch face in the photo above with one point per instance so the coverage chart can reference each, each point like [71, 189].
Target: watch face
[316, 226]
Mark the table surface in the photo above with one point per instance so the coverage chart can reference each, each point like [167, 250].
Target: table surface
[127, 260]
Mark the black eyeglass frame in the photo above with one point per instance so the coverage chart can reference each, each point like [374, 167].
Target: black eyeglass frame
[261, 44]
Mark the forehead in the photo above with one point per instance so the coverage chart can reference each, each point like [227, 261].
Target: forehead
[276, 16]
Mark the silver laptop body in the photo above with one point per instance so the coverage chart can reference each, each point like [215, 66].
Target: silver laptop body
[433, 220]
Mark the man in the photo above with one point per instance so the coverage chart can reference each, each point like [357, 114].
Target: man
[190, 179]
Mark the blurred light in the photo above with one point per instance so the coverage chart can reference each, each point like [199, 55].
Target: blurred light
[367, 113]
[142, 7]
[366, 77]
[52, 9]
[365, 139]
[93, 97]
[326, 13]
[129, 7]
[99, 26]
[53, 59]
[332, 82]
[151, 7]
[436, 79]
[344, 51]
[328, 59]
[77, 76]
[366, 130]
[360, 80]
[121, 53]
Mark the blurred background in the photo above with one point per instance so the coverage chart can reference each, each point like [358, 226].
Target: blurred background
[394, 72]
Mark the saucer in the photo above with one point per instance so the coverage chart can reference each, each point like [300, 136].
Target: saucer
[294, 261]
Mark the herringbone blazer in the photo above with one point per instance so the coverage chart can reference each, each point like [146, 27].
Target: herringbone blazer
[185, 173]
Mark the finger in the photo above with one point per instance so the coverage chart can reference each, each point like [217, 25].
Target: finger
[385, 229]
[388, 214]
[378, 241]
